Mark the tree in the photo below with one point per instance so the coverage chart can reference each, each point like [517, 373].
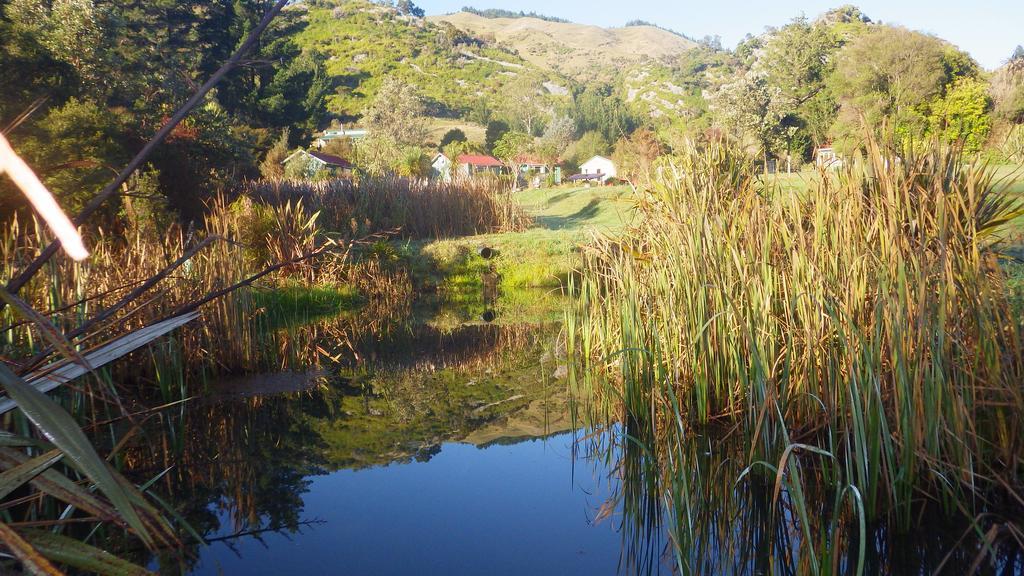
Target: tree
[1018, 54]
[295, 96]
[847, 14]
[414, 163]
[797, 60]
[889, 76]
[524, 105]
[557, 137]
[635, 154]
[889, 69]
[600, 107]
[495, 130]
[453, 135]
[589, 145]
[272, 166]
[963, 114]
[751, 107]
[511, 145]
[408, 8]
[397, 113]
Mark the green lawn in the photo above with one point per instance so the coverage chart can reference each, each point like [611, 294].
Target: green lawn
[542, 256]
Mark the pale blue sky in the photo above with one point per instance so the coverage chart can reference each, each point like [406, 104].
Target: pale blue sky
[988, 29]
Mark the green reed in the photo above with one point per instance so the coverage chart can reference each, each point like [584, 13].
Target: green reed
[857, 333]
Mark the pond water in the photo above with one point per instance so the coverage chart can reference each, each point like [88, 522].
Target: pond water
[500, 509]
[434, 442]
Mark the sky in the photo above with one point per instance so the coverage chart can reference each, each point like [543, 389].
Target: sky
[987, 29]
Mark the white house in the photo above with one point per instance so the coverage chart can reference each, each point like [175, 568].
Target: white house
[600, 167]
[827, 157]
[441, 167]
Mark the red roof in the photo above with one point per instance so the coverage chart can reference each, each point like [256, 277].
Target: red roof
[529, 160]
[331, 159]
[479, 160]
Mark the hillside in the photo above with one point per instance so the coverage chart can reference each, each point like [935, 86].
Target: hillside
[456, 73]
[575, 50]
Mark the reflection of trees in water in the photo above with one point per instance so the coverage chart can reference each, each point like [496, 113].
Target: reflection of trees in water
[389, 396]
[408, 393]
[694, 509]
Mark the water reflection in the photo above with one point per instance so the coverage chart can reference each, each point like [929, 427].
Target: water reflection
[351, 394]
[693, 507]
[427, 441]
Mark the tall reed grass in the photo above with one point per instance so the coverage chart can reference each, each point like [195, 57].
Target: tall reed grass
[860, 328]
[413, 208]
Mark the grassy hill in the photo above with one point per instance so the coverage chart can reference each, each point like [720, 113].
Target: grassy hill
[363, 42]
[575, 50]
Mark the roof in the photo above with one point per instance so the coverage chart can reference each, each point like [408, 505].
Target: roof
[332, 133]
[577, 177]
[331, 160]
[530, 160]
[598, 158]
[480, 160]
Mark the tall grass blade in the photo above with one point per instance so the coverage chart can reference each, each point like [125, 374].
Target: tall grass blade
[61, 429]
[34, 562]
[14, 478]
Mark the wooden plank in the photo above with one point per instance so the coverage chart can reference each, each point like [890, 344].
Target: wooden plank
[53, 375]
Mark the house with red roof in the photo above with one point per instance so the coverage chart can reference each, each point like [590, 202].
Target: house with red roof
[474, 164]
[315, 165]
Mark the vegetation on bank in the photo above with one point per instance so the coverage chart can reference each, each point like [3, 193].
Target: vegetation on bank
[858, 334]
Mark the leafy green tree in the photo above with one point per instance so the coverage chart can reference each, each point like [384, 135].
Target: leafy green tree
[296, 96]
[28, 70]
[512, 144]
[963, 114]
[590, 144]
[891, 76]
[76, 148]
[798, 59]
[495, 130]
[796, 62]
[559, 134]
[397, 113]
[453, 135]
[414, 163]
[600, 107]
[408, 8]
[751, 107]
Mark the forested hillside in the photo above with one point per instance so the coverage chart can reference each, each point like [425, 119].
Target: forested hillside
[458, 75]
[86, 82]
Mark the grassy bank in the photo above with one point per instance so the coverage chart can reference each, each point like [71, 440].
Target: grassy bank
[542, 256]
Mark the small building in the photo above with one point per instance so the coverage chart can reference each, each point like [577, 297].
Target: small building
[354, 134]
[312, 165]
[441, 167]
[534, 171]
[527, 163]
[474, 164]
[603, 169]
[827, 157]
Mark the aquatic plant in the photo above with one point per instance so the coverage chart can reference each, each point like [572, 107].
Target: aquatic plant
[858, 334]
